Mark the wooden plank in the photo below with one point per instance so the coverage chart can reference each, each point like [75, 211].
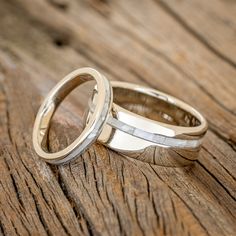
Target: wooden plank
[32, 201]
[103, 192]
[217, 21]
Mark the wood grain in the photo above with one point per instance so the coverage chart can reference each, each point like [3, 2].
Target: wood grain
[185, 48]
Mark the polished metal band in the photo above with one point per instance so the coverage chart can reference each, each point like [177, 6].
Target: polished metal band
[174, 138]
[92, 129]
[143, 123]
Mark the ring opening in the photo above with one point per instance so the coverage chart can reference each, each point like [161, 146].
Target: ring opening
[159, 109]
[73, 99]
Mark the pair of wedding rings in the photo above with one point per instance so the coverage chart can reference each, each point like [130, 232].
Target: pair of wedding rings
[173, 138]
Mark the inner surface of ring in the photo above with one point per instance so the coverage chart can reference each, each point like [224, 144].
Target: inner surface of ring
[153, 108]
[69, 109]
[72, 84]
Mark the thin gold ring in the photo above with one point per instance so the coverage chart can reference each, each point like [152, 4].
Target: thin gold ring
[92, 129]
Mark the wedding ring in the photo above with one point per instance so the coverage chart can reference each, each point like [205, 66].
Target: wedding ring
[92, 129]
[152, 126]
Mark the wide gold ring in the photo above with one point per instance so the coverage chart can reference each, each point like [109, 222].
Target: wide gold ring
[173, 138]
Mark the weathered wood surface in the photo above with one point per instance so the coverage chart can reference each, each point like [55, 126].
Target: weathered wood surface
[186, 48]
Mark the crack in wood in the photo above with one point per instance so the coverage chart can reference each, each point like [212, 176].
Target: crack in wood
[104, 192]
[193, 32]
[184, 202]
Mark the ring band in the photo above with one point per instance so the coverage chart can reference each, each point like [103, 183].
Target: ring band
[92, 129]
[172, 140]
